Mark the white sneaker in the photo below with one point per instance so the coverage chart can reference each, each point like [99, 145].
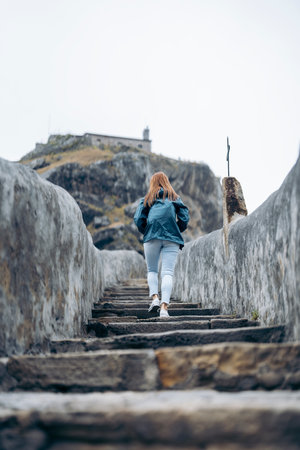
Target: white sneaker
[154, 307]
[163, 313]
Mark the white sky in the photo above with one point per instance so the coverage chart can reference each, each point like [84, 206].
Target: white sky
[194, 71]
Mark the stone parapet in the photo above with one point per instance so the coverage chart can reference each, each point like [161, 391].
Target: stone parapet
[260, 275]
[50, 271]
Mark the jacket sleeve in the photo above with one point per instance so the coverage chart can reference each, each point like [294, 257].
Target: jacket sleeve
[140, 217]
[183, 216]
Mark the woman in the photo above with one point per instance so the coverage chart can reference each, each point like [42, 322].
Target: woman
[155, 217]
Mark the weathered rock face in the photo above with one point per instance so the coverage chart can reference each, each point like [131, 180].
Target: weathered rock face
[56, 144]
[50, 271]
[262, 270]
[107, 181]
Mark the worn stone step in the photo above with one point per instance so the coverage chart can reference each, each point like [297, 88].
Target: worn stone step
[225, 366]
[172, 339]
[231, 366]
[125, 446]
[112, 318]
[143, 314]
[232, 323]
[187, 317]
[142, 292]
[127, 299]
[139, 305]
[102, 330]
[88, 371]
[109, 319]
[131, 300]
[123, 288]
[182, 419]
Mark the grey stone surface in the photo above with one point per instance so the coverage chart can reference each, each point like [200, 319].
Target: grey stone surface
[101, 221]
[108, 319]
[225, 366]
[116, 304]
[6, 381]
[262, 270]
[171, 339]
[155, 327]
[50, 271]
[143, 313]
[185, 317]
[232, 323]
[124, 446]
[231, 366]
[183, 418]
[82, 372]
[37, 163]
[159, 326]
[121, 265]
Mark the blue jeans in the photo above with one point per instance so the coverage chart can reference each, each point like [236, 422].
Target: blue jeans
[168, 251]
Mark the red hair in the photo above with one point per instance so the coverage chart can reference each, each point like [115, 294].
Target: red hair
[159, 180]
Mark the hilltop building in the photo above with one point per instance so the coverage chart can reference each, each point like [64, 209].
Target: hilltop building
[97, 139]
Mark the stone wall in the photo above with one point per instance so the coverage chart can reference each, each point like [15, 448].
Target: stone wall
[121, 265]
[50, 271]
[262, 270]
[99, 139]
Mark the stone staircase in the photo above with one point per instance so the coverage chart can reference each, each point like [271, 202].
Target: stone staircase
[136, 381]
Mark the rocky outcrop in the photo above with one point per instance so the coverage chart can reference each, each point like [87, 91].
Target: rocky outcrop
[261, 274]
[107, 181]
[50, 271]
[56, 144]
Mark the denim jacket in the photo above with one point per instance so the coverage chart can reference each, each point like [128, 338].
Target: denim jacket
[159, 221]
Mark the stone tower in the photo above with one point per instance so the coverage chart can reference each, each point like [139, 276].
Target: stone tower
[146, 134]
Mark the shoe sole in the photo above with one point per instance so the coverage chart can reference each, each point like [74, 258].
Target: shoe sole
[154, 308]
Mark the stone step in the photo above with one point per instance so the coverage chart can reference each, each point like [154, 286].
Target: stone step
[126, 292]
[126, 298]
[144, 300]
[143, 314]
[171, 339]
[187, 317]
[139, 305]
[102, 330]
[109, 319]
[123, 287]
[225, 366]
[231, 366]
[88, 371]
[155, 420]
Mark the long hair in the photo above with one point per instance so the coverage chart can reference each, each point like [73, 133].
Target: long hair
[159, 180]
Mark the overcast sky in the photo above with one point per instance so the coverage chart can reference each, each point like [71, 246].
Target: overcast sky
[194, 71]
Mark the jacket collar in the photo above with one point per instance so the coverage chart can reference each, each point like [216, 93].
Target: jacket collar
[161, 193]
